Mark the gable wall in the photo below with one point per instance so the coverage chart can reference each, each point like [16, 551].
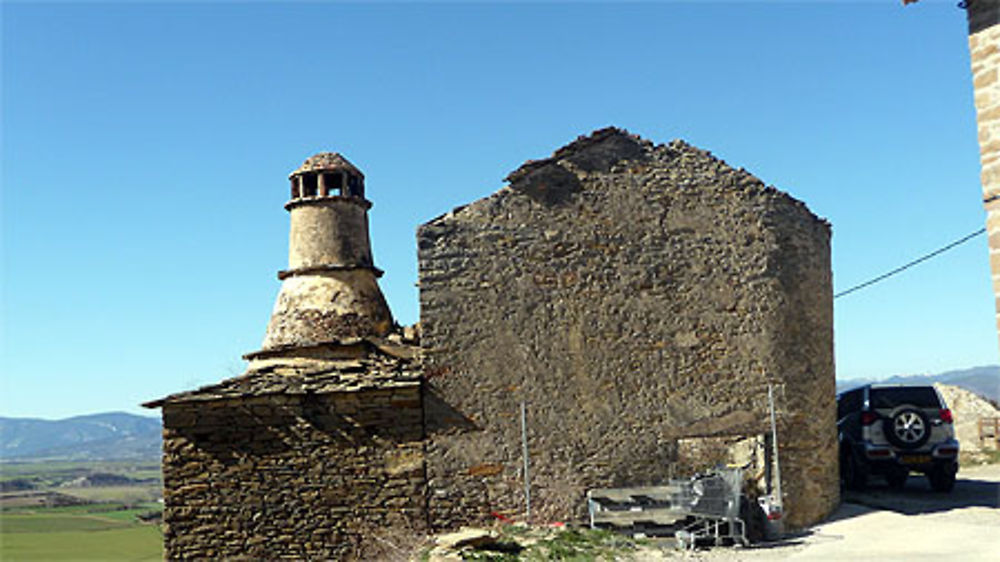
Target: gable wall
[627, 305]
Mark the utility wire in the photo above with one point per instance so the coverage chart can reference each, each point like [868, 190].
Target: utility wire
[900, 269]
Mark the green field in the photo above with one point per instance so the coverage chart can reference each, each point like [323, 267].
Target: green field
[79, 533]
[110, 544]
[123, 494]
[105, 527]
[10, 524]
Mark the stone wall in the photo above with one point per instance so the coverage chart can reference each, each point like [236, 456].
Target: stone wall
[329, 230]
[630, 295]
[296, 476]
[324, 305]
[984, 48]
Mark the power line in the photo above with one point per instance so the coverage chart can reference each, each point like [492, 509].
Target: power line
[926, 257]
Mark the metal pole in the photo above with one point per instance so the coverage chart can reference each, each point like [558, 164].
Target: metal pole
[774, 444]
[524, 453]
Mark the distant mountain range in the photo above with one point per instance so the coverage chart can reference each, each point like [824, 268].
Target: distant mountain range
[121, 436]
[110, 436]
[984, 381]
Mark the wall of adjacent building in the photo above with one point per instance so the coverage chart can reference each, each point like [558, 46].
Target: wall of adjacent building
[984, 48]
[630, 296]
[297, 476]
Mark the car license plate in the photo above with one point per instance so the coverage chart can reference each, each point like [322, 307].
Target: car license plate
[915, 459]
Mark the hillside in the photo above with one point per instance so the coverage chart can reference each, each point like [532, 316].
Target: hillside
[121, 436]
[105, 436]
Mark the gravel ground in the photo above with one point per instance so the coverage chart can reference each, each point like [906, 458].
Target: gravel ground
[880, 524]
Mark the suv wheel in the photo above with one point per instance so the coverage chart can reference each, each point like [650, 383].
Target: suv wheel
[855, 473]
[942, 477]
[907, 427]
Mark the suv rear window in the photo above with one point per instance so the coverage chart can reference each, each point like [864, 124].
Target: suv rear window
[921, 397]
[849, 402]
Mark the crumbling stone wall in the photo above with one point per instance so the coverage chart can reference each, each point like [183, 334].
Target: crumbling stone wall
[630, 295]
[298, 476]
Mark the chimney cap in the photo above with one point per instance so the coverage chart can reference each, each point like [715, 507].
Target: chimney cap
[326, 161]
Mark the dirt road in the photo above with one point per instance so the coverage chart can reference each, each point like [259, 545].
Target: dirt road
[908, 525]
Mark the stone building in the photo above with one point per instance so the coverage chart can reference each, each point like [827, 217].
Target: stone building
[319, 443]
[983, 17]
[984, 48]
[636, 299]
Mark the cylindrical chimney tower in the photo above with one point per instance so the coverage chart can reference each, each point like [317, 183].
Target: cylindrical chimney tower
[330, 290]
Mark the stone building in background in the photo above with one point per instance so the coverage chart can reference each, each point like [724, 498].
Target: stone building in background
[319, 443]
[638, 300]
[984, 48]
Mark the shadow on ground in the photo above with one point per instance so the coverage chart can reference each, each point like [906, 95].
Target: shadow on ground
[918, 498]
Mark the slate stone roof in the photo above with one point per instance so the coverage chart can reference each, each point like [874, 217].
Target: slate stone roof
[324, 161]
[379, 369]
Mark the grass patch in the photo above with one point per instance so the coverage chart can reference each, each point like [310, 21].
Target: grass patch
[581, 545]
[137, 543]
[114, 511]
[534, 544]
[60, 510]
[56, 523]
[129, 515]
[992, 456]
[115, 494]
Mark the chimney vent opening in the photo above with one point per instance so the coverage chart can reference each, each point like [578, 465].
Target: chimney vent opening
[334, 183]
[308, 185]
[355, 187]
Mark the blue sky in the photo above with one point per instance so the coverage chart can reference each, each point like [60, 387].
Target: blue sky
[145, 149]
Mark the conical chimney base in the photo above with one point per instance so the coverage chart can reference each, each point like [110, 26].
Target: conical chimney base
[327, 307]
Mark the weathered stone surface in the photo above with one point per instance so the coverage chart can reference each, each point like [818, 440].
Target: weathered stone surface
[466, 537]
[332, 231]
[984, 50]
[638, 299]
[630, 295]
[317, 450]
[330, 289]
[307, 477]
[325, 162]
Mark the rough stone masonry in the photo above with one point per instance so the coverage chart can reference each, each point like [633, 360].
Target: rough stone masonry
[297, 463]
[319, 445]
[984, 50]
[631, 296]
[638, 299]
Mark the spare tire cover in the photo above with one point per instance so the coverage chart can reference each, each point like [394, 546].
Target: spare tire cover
[907, 427]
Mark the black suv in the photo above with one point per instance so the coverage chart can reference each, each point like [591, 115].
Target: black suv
[892, 430]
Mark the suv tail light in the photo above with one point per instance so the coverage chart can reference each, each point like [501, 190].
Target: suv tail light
[946, 415]
[868, 418]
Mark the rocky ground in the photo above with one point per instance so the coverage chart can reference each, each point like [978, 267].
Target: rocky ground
[911, 524]
[879, 524]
